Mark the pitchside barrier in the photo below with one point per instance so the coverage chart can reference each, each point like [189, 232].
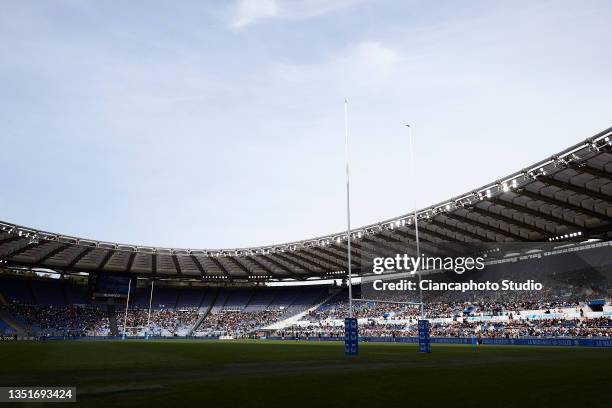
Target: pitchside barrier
[127, 338]
[471, 340]
[535, 341]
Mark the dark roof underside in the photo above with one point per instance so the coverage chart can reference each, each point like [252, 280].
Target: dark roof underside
[570, 196]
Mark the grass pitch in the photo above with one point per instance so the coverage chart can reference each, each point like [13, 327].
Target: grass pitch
[182, 373]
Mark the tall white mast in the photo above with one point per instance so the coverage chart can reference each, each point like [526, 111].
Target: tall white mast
[416, 221]
[348, 211]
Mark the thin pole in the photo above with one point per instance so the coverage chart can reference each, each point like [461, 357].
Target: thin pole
[150, 302]
[127, 304]
[416, 221]
[348, 210]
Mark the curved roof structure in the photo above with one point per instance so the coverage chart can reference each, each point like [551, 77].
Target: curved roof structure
[567, 196]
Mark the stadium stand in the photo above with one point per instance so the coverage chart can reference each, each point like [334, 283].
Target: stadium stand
[45, 306]
[58, 307]
[552, 220]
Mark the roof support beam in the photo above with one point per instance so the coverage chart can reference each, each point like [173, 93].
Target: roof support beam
[9, 239]
[378, 248]
[585, 168]
[300, 261]
[198, 265]
[154, 263]
[105, 260]
[562, 204]
[21, 250]
[339, 256]
[365, 253]
[77, 258]
[311, 251]
[221, 267]
[394, 240]
[484, 226]
[433, 246]
[408, 233]
[177, 266]
[241, 266]
[280, 265]
[130, 262]
[342, 247]
[423, 229]
[576, 189]
[536, 213]
[411, 237]
[389, 242]
[509, 220]
[462, 231]
[358, 250]
[342, 262]
[52, 253]
[262, 266]
[604, 229]
[288, 257]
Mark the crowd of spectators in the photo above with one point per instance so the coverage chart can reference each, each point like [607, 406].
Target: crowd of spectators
[93, 321]
[453, 314]
[237, 323]
[512, 328]
[164, 322]
[396, 308]
[394, 316]
[59, 320]
[383, 320]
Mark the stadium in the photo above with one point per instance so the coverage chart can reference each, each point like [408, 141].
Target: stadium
[499, 295]
[552, 218]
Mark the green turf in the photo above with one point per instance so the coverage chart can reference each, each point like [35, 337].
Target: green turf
[179, 373]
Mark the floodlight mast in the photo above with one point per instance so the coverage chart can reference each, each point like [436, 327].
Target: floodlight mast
[416, 221]
[348, 211]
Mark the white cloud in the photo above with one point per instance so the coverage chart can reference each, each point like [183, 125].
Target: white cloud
[367, 62]
[377, 58]
[247, 12]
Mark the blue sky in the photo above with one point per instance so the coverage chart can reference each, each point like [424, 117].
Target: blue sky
[211, 124]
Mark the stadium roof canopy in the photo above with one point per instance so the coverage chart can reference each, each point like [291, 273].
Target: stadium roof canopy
[567, 197]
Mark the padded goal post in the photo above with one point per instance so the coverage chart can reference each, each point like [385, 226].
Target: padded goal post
[351, 336]
[424, 341]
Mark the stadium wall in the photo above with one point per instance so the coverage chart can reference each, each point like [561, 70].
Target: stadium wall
[570, 342]
[577, 342]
